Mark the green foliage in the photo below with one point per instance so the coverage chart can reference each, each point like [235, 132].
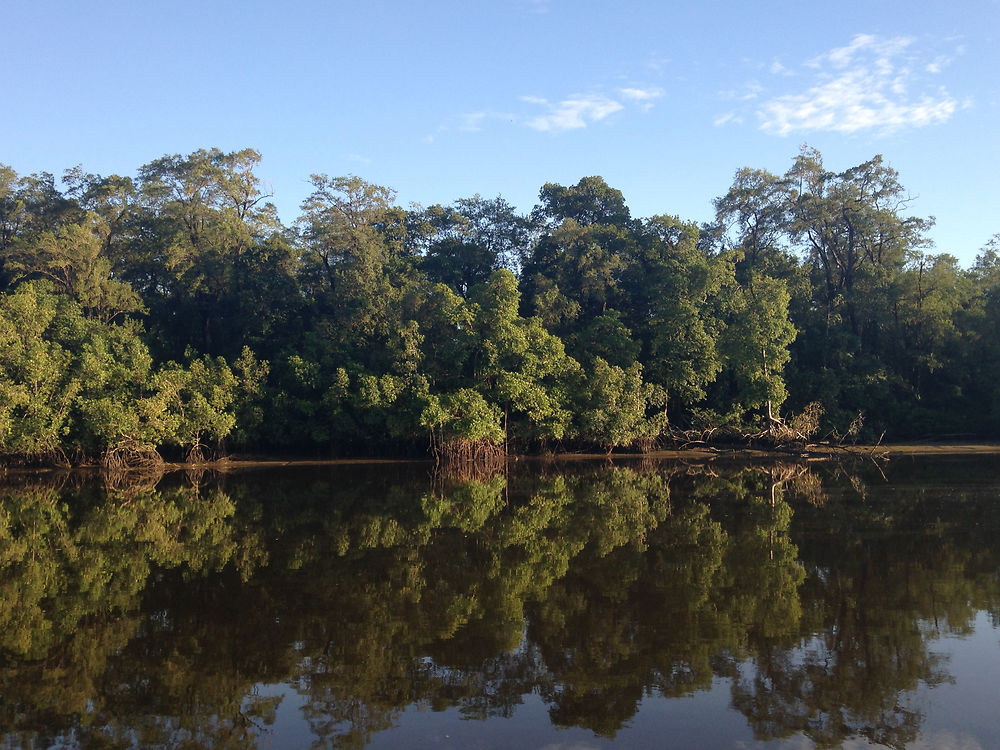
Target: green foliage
[37, 382]
[521, 367]
[366, 326]
[755, 344]
[619, 409]
[463, 416]
[75, 384]
[675, 286]
[73, 259]
[193, 404]
[211, 259]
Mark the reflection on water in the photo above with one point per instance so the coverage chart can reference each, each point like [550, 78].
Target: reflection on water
[339, 607]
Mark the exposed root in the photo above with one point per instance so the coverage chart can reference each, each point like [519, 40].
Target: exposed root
[460, 451]
[129, 455]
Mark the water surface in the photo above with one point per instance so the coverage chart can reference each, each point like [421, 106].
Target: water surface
[635, 605]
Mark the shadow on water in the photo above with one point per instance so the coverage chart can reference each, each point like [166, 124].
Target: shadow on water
[151, 613]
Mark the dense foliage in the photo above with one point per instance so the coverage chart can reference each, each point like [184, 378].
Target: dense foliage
[173, 312]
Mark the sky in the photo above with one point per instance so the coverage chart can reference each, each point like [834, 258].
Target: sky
[442, 100]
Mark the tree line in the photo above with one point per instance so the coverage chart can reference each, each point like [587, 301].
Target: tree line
[173, 313]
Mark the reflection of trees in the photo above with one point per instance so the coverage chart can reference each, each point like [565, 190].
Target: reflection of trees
[885, 576]
[469, 581]
[73, 568]
[637, 620]
[156, 611]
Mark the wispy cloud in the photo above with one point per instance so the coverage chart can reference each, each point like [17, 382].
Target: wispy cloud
[572, 113]
[472, 122]
[727, 118]
[578, 111]
[643, 97]
[865, 85]
[749, 92]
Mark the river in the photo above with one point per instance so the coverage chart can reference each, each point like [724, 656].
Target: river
[580, 605]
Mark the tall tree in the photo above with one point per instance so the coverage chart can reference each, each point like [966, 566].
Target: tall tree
[74, 258]
[755, 344]
[206, 214]
[465, 242]
[853, 231]
[674, 288]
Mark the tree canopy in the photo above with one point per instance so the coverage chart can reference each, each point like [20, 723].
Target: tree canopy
[172, 312]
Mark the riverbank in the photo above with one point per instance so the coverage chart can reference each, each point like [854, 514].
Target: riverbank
[818, 452]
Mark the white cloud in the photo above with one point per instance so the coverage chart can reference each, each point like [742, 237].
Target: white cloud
[573, 113]
[643, 97]
[472, 121]
[749, 92]
[726, 118]
[863, 86]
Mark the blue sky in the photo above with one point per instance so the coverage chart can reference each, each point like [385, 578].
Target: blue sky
[443, 100]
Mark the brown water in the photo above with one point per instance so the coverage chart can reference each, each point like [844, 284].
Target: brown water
[646, 605]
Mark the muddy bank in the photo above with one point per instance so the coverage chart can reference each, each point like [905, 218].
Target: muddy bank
[697, 454]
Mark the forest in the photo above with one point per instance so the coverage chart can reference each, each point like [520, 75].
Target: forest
[172, 314]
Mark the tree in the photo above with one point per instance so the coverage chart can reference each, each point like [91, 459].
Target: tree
[618, 409]
[853, 233]
[73, 257]
[755, 215]
[192, 406]
[355, 261]
[28, 206]
[519, 366]
[755, 344]
[590, 201]
[37, 381]
[207, 231]
[673, 288]
[463, 426]
[572, 273]
[464, 243]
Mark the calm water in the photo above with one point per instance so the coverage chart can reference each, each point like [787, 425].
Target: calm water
[644, 605]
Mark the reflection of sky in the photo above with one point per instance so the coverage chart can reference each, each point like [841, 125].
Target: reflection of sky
[964, 716]
[289, 731]
[961, 715]
[423, 729]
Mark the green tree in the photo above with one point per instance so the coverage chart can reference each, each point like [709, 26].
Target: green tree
[464, 243]
[618, 409]
[209, 231]
[674, 289]
[519, 366]
[38, 384]
[73, 258]
[755, 344]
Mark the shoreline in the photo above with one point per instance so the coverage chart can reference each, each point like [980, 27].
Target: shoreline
[812, 453]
